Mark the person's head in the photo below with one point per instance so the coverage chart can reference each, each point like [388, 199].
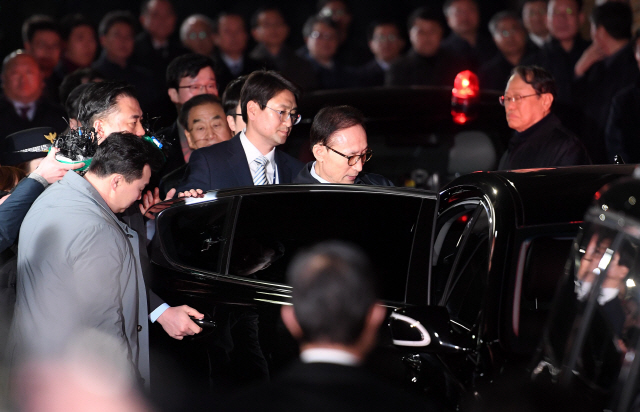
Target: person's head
[22, 79]
[196, 34]
[611, 23]
[117, 30]
[508, 33]
[231, 104]
[462, 16]
[204, 121]
[41, 38]
[110, 107]
[339, 143]
[121, 168]
[321, 37]
[385, 40]
[334, 298]
[269, 107]
[425, 30]
[534, 17]
[78, 77]
[564, 18]
[338, 11]
[190, 75]
[533, 89]
[269, 28]
[26, 149]
[158, 19]
[79, 39]
[72, 104]
[9, 177]
[231, 34]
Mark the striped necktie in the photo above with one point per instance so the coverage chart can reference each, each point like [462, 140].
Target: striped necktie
[260, 178]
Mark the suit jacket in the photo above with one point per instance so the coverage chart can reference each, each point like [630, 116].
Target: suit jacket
[289, 64]
[545, 144]
[15, 208]
[371, 74]
[156, 61]
[413, 69]
[224, 75]
[78, 272]
[314, 387]
[224, 165]
[47, 114]
[621, 133]
[475, 56]
[363, 178]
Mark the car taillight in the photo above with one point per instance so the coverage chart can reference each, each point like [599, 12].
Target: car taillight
[465, 93]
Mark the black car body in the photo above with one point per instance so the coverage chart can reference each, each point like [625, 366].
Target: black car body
[477, 264]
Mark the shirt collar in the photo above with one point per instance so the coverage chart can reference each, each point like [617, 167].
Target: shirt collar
[325, 355]
[383, 64]
[315, 175]
[229, 61]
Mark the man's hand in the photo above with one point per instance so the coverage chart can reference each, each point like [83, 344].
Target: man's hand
[151, 198]
[52, 170]
[175, 321]
[591, 55]
[191, 193]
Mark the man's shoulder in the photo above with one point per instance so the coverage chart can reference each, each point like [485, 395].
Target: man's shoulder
[219, 149]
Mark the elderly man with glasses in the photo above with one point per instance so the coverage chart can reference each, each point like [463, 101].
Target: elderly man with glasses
[339, 144]
[540, 139]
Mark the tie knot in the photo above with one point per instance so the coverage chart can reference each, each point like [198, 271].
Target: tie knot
[261, 160]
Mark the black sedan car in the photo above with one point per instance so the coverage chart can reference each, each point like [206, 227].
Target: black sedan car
[468, 274]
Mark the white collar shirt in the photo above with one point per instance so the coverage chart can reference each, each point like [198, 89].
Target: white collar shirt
[252, 153]
[326, 355]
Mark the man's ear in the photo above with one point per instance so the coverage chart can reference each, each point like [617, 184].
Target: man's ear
[290, 321]
[231, 121]
[173, 95]
[252, 110]
[98, 125]
[319, 151]
[115, 181]
[547, 101]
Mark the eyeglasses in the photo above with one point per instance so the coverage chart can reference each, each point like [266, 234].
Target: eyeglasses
[353, 160]
[504, 100]
[197, 88]
[324, 36]
[384, 39]
[286, 115]
[198, 35]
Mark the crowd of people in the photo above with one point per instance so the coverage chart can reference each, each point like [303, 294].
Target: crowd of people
[220, 111]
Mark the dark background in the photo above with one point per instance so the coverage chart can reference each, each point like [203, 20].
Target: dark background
[14, 12]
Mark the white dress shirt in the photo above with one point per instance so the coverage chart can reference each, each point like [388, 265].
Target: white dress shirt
[325, 355]
[252, 153]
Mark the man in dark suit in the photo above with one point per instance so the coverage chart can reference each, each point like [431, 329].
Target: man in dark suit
[339, 144]
[386, 44]
[335, 317]
[23, 106]
[230, 54]
[269, 108]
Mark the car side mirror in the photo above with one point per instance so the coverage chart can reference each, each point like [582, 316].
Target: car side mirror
[427, 328]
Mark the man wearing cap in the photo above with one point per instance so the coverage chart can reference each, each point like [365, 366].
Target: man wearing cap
[22, 106]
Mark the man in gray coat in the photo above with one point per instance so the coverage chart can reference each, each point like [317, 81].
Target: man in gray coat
[79, 266]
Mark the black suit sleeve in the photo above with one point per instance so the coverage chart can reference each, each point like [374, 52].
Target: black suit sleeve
[197, 174]
[15, 208]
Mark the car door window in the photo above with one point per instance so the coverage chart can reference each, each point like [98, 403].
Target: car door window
[461, 261]
[272, 228]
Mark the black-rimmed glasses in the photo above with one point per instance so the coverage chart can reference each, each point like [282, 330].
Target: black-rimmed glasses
[286, 115]
[353, 159]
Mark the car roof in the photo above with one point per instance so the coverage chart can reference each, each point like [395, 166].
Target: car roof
[542, 196]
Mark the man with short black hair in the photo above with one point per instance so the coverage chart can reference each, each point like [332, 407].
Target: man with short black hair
[270, 31]
[23, 106]
[78, 265]
[80, 45]
[232, 106]
[339, 144]
[540, 139]
[116, 31]
[386, 44]
[269, 108]
[426, 63]
[335, 317]
[466, 40]
[41, 38]
[230, 35]
[534, 18]
[595, 88]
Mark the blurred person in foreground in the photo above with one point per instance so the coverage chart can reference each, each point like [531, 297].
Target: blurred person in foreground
[339, 144]
[335, 317]
[540, 139]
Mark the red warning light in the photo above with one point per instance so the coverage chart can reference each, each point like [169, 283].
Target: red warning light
[466, 85]
[459, 118]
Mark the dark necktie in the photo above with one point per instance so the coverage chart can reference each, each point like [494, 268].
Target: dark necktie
[24, 112]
